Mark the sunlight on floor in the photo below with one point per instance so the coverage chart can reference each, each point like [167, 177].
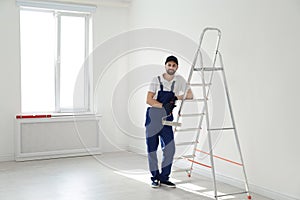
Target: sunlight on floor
[143, 176]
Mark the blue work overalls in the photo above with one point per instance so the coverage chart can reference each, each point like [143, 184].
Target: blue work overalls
[155, 130]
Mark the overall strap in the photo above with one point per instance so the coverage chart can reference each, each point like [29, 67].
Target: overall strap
[161, 85]
[172, 86]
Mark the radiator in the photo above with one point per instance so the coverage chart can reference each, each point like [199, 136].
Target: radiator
[54, 137]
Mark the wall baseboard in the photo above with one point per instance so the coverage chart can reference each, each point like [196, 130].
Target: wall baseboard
[256, 189]
[270, 193]
[58, 154]
[137, 150]
[7, 157]
[229, 180]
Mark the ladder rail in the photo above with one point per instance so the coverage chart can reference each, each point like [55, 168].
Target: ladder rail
[215, 54]
[234, 125]
[205, 95]
[206, 88]
[197, 139]
[189, 79]
[196, 57]
[209, 137]
[198, 52]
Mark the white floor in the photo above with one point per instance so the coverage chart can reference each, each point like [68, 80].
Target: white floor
[111, 176]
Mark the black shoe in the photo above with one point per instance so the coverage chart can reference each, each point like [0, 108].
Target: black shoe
[168, 184]
[155, 184]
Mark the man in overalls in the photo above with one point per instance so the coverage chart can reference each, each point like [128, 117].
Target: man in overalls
[163, 92]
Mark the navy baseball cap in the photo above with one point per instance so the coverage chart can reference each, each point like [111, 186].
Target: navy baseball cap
[171, 58]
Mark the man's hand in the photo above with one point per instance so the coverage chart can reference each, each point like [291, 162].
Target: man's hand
[170, 106]
[173, 100]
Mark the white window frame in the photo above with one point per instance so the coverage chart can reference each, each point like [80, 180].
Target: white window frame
[68, 10]
[87, 77]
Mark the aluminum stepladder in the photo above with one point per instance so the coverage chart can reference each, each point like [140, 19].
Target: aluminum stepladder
[205, 113]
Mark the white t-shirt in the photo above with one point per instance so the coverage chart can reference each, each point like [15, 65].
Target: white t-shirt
[179, 87]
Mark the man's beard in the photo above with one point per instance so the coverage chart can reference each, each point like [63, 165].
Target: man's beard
[171, 71]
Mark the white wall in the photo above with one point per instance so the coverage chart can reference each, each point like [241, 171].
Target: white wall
[260, 46]
[109, 19]
[9, 76]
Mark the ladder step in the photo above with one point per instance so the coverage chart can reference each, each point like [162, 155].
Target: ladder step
[193, 100]
[182, 170]
[187, 129]
[192, 115]
[184, 157]
[221, 129]
[235, 193]
[185, 143]
[208, 69]
[199, 84]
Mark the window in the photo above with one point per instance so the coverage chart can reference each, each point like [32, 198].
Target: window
[54, 74]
